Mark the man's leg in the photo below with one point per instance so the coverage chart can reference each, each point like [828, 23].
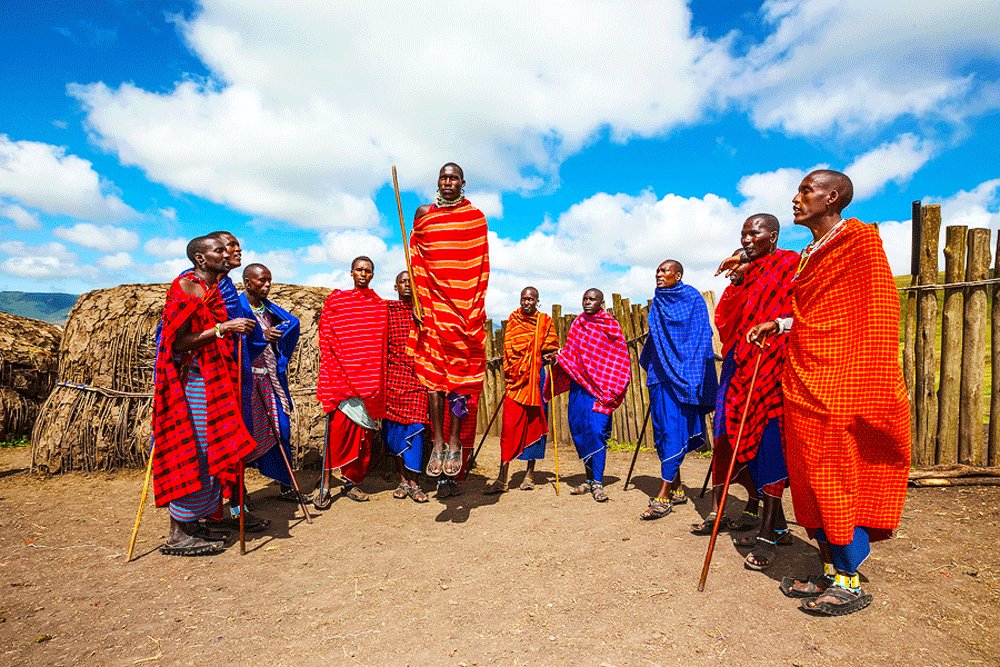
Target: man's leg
[500, 485]
[528, 483]
[435, 408]
[844, 595]
[453, 462]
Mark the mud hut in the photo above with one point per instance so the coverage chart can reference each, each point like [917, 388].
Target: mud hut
[29, 352]
[98, 415]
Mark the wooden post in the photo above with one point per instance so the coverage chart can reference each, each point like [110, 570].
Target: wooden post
[993, 453]
[925, 391]
[949, 393]
[971, 440]
[910, 326]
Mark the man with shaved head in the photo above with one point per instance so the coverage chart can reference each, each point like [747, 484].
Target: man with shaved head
[847, 416]
[594, 367]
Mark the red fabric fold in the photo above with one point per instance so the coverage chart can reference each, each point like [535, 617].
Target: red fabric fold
[596, 357]
[525, 340]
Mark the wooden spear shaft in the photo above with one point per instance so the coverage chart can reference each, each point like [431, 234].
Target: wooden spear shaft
[239, 402]
[417, 308]
[555, 439]
[472, 461]
[142, 505]
[638, 444]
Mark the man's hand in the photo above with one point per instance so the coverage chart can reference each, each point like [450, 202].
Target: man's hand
[734, 266]
[272, 335]
[551, 357]
[240, 325]
[759, 332]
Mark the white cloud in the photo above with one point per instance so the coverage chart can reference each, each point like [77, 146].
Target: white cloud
[165, 271]
[115, 262]
[49, 261]
[893, 161]
[22, 219]
[46, 178]
[103, 238]
[490, 203]
[851, 65]
[170, 213]
[166, 248]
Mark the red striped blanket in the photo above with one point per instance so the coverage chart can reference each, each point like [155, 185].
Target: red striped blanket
[525, 340]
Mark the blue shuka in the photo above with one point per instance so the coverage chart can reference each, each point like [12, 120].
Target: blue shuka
[679, 361]
[271, 463]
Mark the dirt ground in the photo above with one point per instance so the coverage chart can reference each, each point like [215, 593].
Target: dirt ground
[526, 578]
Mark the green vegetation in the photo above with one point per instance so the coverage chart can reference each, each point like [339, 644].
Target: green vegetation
[52, 307]
[20, 441]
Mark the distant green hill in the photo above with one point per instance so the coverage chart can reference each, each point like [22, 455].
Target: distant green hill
[46, 306]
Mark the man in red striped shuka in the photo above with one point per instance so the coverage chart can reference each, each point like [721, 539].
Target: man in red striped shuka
[451, 269]
[198, 433]
[353, 334]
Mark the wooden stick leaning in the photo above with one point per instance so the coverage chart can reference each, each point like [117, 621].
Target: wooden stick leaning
[708, 476]
[142, 505]
[638, 444]
[555, 438]
[732, 466]
[471, 463]
[239, 402]
[417, 308]
[291, 473]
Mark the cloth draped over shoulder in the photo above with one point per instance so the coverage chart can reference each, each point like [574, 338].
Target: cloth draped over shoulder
[451, 268]
[764, 295]
[175, 462]
[678, 350]
[596, 357]
[526, 339]
[847, 416]
[353, 331]
[405, 397]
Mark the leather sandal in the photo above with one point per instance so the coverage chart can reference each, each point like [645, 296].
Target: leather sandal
[848, 601]
[401, 491]
[451, 457]
[417, 494]
[437, 455]
[815, 585]
[657, 510]
[191, 546]
[496, 488]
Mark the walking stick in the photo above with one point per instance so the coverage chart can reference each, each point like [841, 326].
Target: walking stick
[417, 308]
[295, 484]
[142, 505]
[326, 448]
[239, 402]
[732, 466]
[635, 454]
[708, 475]
[555, 440]
[472, 460]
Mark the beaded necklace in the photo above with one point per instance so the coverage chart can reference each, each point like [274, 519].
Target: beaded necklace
[448, 203]
[816, 245]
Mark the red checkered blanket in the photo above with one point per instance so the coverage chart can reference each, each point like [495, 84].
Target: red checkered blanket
[595, 357]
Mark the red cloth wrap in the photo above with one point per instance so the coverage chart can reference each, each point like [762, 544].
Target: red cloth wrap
[596, 357]
[847, 417]
[175, 458]
[349, 447]
[406, 398]
[451, 268]
[522, 426]
[353, 330]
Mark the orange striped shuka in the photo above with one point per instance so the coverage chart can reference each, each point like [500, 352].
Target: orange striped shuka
[847, 415]
[525, 340]
[451, 268]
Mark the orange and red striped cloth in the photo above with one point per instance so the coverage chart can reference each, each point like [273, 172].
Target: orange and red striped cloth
[525, 340]
[451, 268]
[847, 416]
[353, 330]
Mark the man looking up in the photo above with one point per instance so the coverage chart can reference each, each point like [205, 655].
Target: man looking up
[405, 397]
[267, 403]
[594, 367]
[847, 415]
[199, 437]
[528, 338]
[451, 268]
[680, 371]
[353, 328]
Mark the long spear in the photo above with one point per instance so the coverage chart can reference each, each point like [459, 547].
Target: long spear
[417, 308]
[472, 460]
[635, 454]
[239, 402]
[555, 438]
[732, 466]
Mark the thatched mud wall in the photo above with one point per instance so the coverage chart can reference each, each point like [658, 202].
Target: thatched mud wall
[29, 352]
[98, 415]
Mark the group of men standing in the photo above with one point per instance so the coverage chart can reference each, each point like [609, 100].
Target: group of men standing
[819, 406]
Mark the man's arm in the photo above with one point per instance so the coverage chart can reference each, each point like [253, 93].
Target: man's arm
[187, 340]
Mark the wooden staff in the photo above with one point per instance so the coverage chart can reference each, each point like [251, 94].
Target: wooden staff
[417, 308]
[239, 402]
[732, 466]
[472, 460]
[635, 454]
[291, 475]
[555, 440]
[708, 476]
[142, 504]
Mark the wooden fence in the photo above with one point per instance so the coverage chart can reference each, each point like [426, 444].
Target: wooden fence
[948, 415]
[627, 420]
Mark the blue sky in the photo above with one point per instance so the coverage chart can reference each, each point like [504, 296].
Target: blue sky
[598, 140]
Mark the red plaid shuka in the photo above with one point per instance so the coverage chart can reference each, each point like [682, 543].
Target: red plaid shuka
[353, 329]
[764, 295]
[175, 459]
[595, 357]
[405, 397]
[847, 416]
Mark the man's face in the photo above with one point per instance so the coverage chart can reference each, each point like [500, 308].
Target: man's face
[529, 302]
[403, 287]
[214, 256]
[756, 239]
[450, 182]
[810, 203]
[362, 272]
[593, 302]
[667, 274]
[258, 283]
[234, 250]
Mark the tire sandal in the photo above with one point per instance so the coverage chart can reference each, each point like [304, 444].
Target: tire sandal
[191, 546]
[416, 494]
[355, 494]
[678, 497]
[451, 458]
[496, 488]
[438, 456]
[657, 509]
[748, 541]
[848, 601]
[600, 495]
[528, 483]
[401, 491]
[322, 499]
[706, 526]
[762, 556]
[814, 586]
